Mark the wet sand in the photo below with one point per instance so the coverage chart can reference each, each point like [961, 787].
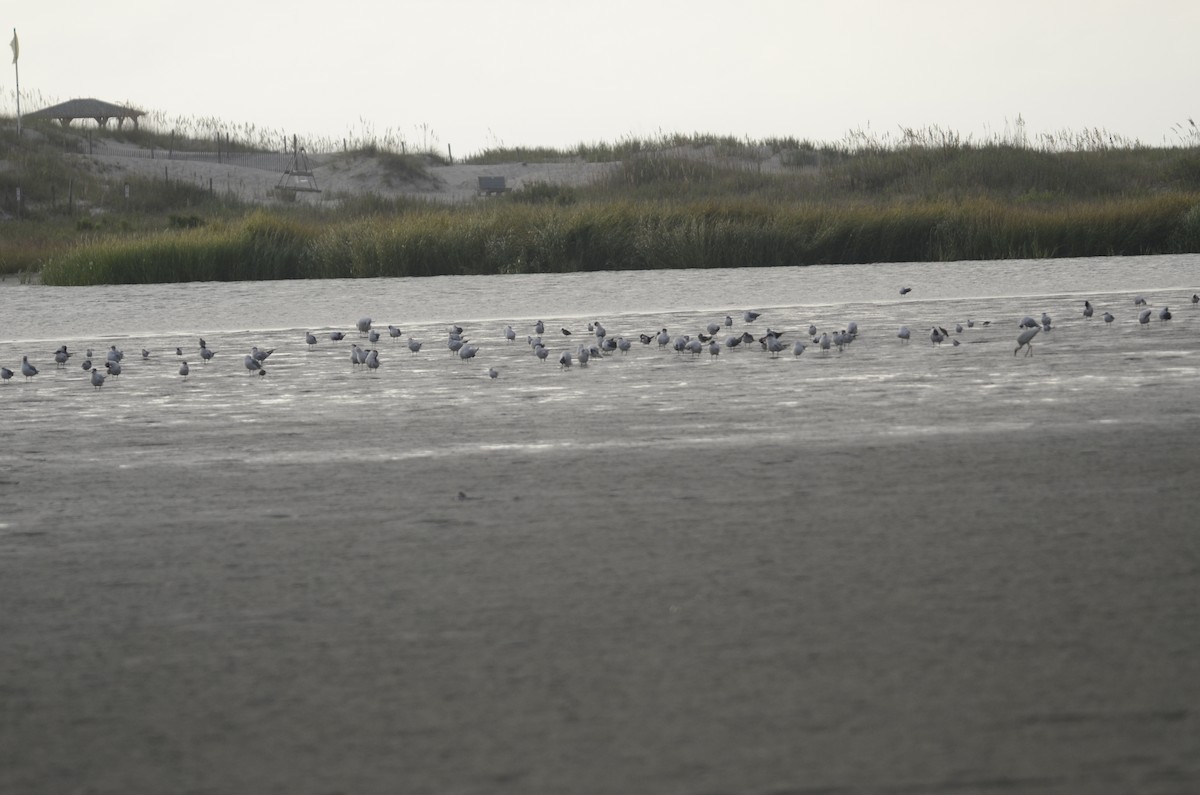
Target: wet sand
[939, 612]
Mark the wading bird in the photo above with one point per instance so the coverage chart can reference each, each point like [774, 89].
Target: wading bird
[1026, 341]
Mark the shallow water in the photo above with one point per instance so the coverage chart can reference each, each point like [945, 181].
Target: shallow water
[895, 568]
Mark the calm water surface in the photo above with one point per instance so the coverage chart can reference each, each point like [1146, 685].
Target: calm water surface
[894, 568]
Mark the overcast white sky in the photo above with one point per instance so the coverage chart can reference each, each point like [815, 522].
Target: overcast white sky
[478, 73]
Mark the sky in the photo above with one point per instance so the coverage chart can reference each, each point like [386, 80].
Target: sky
[469, 75]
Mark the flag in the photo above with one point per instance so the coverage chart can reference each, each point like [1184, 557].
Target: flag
[16, 45]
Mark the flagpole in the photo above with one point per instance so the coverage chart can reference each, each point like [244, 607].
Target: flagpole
[16, 48]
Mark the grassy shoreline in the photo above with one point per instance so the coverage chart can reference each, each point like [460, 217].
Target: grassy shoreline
[688, 203]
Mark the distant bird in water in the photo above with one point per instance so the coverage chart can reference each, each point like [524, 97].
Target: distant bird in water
[145, 353]
[183, 370]
[87, 365]
[252, 365]
[566, 332]
[905, 290]
[1087, 309]
[492, 373]
[1195, 298]
[1026, 341]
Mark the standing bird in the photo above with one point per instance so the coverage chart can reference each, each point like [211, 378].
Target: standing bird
[539, 327]
[5, 374]
[509, 334]
[394, 332]
[1165, 314]
[364, 324]
[1195, 298]
[87, 365]
[252, 365]
[97, 378]
[492, 373]
[1144, 316]
[750, 317]
[27, 369]
[183, 370]
[904, 334]
[373, 336]
[206, 354]
[1087, 308]
[564, 359]
[1108, 317]
[114, 368]
[1045, 322]
[905, 290]
[1026, 340]
[414, 345]
[729, 321]
[936, 336]
[1139, 301]
[373, 360]
[336, 336]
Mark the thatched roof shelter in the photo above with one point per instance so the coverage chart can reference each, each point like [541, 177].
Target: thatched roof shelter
[69, 111]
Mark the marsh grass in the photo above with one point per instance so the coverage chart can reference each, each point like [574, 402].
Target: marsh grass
[676, 201]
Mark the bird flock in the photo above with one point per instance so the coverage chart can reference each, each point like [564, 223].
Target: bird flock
[570, 348]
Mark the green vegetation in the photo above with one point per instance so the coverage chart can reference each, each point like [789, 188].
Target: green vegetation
[675, 202]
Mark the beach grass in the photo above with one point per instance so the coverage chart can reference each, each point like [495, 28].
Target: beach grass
[677, 201]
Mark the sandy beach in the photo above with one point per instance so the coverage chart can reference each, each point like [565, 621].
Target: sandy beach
[816, 620]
